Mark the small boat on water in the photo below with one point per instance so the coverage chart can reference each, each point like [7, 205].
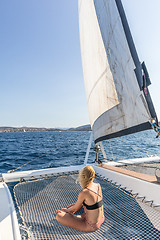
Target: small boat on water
[119, 104]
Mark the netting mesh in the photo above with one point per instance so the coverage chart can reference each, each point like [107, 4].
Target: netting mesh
[124, 218]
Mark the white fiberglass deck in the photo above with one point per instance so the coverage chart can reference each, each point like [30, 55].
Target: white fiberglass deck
[8, 221]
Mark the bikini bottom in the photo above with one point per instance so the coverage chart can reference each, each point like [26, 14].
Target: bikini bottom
[96, 225]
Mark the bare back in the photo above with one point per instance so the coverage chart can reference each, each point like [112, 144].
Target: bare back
[92, 196]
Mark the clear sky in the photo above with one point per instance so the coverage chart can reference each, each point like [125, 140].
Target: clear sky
[41, 79]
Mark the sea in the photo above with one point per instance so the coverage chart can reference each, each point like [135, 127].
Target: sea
[21, 151]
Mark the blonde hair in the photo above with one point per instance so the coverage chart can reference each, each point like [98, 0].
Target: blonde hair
[86, 176]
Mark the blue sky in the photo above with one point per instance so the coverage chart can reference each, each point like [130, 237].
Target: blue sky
[40, 61]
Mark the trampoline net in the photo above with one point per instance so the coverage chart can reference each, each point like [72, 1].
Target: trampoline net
[38, 201]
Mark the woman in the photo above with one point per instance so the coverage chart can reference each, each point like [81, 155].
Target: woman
[91, 199]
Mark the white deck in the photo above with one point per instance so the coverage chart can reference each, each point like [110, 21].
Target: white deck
[144, 188]
[17, 176]
[9, 229]
[134, 161]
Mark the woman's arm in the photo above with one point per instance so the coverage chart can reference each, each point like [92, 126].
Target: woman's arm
[75, 206]
[70, 205]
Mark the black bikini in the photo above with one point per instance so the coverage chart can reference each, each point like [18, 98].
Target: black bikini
[96, 205]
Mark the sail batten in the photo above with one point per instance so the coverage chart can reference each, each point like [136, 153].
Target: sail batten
[111, 67]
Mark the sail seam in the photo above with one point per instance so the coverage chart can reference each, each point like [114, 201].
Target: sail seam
[99, 79]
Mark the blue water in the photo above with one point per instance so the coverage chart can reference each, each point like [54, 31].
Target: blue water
[54, 149]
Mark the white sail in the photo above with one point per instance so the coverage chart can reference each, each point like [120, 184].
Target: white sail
[116, 104]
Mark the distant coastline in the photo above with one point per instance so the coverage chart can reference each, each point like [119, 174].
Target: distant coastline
[35, 129]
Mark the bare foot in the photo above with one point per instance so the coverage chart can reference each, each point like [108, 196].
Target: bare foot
[65, 210]
[58, 211]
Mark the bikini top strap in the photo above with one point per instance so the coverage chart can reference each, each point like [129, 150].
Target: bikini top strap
[98, 193]
[95, 192]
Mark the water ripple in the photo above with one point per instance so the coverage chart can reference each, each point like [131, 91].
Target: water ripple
[55, 149]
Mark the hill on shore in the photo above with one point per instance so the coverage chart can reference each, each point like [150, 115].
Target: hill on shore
[35, 129]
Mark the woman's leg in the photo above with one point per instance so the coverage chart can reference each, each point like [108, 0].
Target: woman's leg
[73, 221]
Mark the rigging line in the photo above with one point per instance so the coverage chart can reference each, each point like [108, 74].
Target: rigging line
[128, 164]
[126, 159]
[131, 146]
[149, 153]
[31, 160]
[133, 164]
[111, 150]
[43, 154]
[129, 203]
[138, 148]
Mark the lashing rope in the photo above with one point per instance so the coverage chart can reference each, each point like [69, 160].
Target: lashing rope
[125, 219]
[155, 127]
